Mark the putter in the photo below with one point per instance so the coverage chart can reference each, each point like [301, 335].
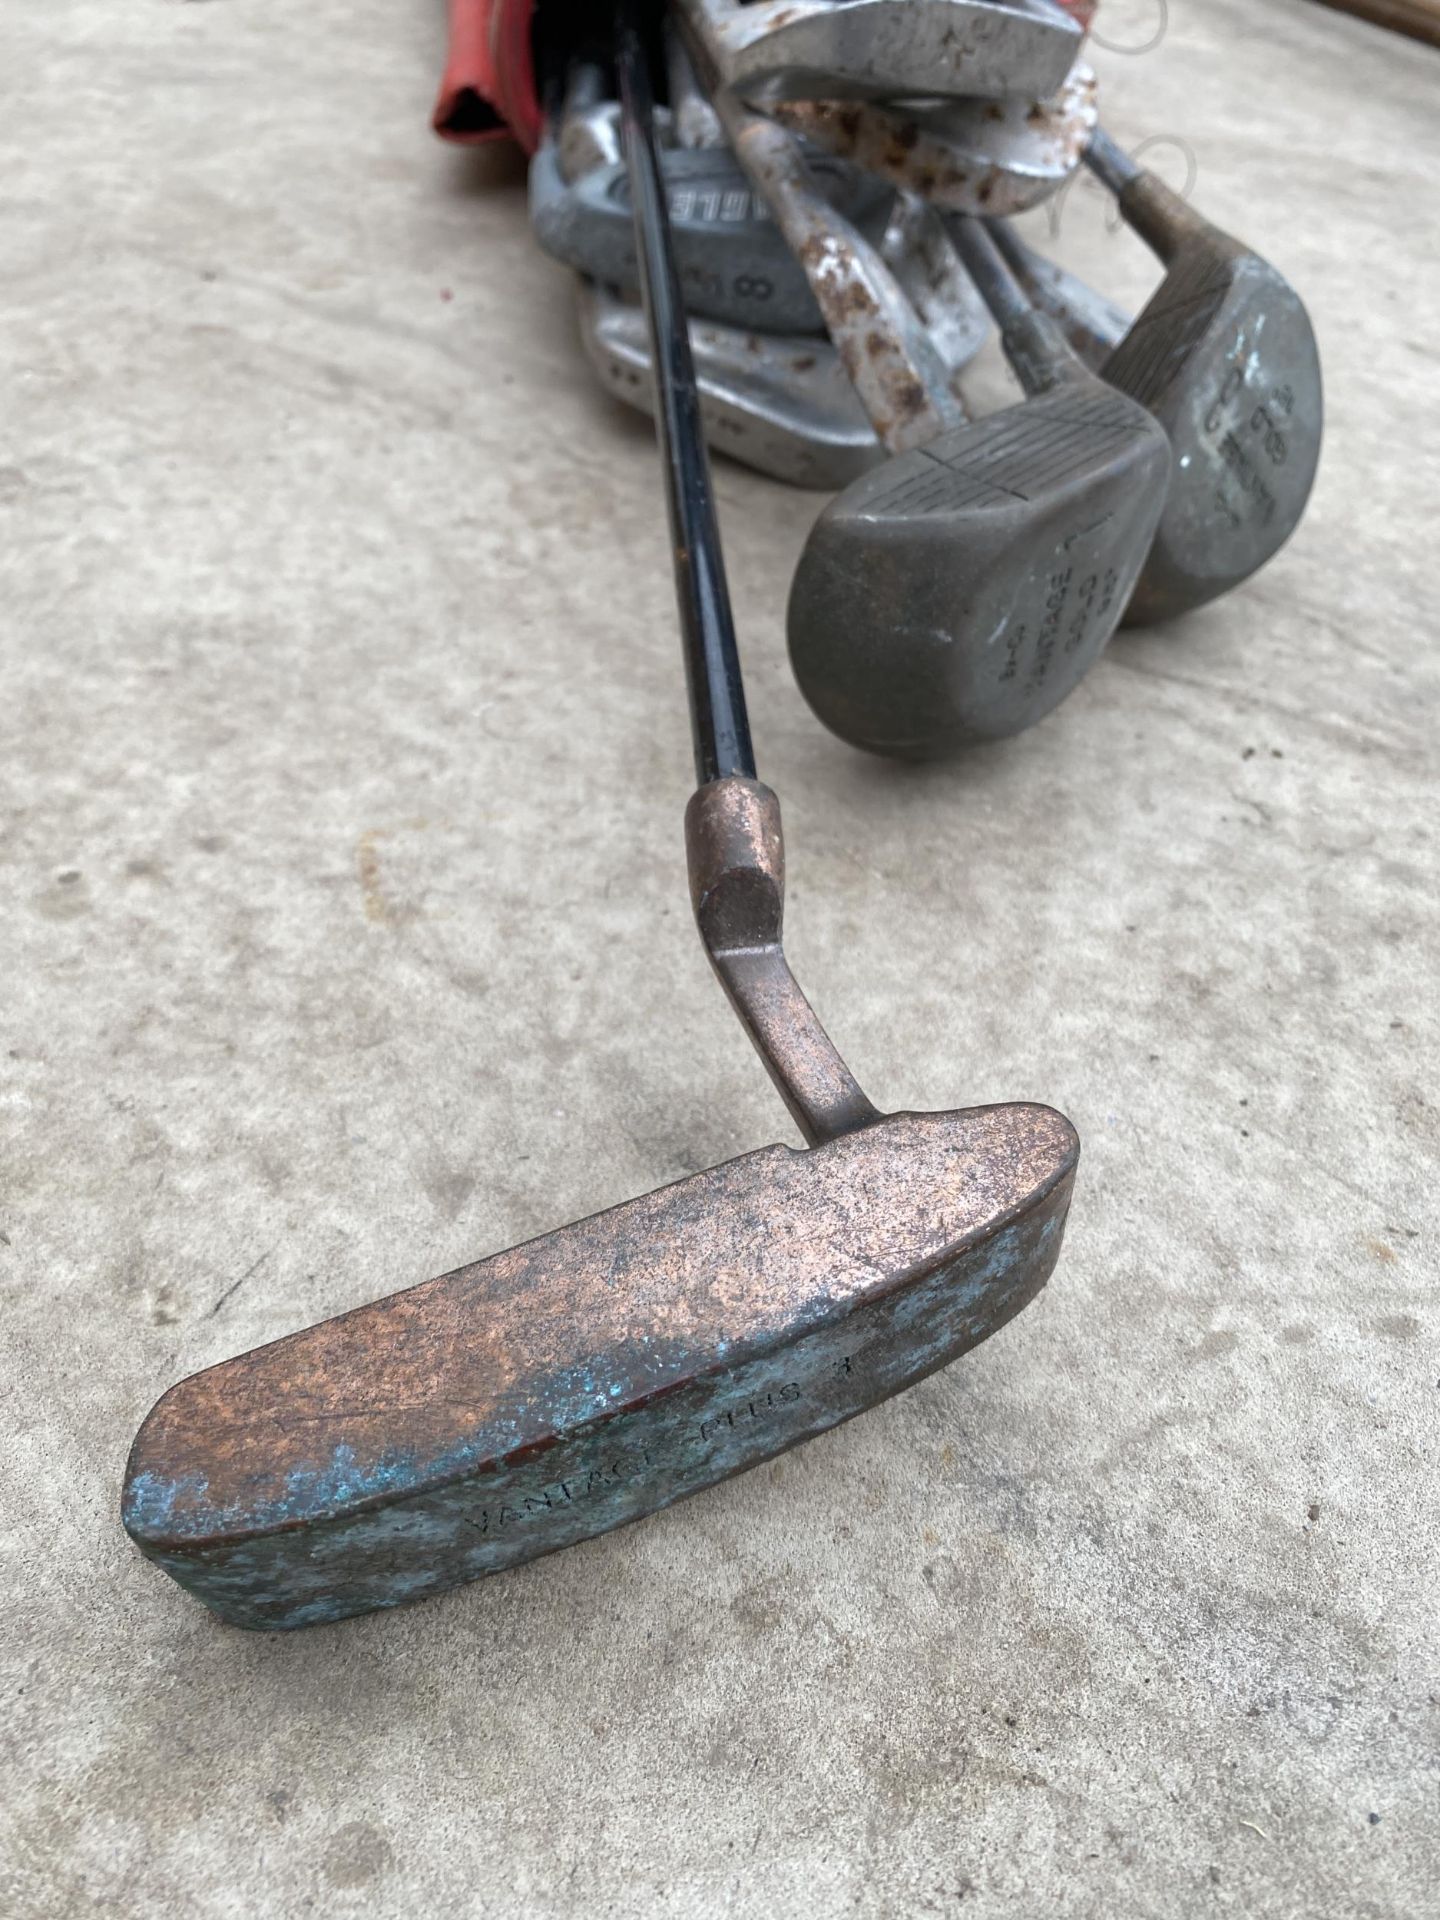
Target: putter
[1224, 356]
[969, 156]
[779, 403]
[876, 49]
[546, 1394]
[783, 405]
[959, 593]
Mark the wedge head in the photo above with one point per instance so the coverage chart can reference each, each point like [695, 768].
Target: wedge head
[1225, 358]
[884, 49]
[587, 1378]
[961, 591]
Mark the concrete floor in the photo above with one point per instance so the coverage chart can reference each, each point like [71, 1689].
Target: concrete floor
[344, 757]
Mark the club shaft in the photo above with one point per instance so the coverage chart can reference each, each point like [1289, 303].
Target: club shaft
[712, 659]
[997, 285]
[1109, 163]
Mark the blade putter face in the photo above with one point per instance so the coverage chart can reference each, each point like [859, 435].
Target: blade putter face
[962, 591]
[876, 49]
[518, 1405]
[1224, 356]
[985, 157]
[779, 403]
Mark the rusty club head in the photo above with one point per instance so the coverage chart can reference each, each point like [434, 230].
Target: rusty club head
[584, 1379]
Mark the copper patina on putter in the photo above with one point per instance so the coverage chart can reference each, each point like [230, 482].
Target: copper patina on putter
[577, 1382]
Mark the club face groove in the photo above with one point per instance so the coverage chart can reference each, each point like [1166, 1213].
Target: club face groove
[575, 1383]
[1225, 358]
[960, 592]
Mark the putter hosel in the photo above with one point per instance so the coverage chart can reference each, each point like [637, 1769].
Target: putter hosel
[737, 887]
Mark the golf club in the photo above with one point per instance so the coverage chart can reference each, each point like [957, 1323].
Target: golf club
[968, 156]
[1224, 356]
[960, 592]
[878, 49]
[552, 1392]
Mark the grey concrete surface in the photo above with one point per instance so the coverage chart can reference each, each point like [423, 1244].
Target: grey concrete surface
[345, 939]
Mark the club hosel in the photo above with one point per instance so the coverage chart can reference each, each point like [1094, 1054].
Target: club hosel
[736, 859]
[1164, 221]
[1041, 356]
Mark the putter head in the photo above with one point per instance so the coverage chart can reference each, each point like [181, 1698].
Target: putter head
[1225, 358]
[733, 262]
[592, 1376]
[961, 591]
[886, 49]
[779, 403]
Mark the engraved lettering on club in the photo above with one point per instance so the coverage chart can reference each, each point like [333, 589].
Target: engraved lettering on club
[554, 1496]
[1266, 440]
[1091, 597]
[714, 206]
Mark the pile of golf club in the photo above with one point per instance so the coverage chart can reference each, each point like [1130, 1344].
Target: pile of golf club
[955, 591]
[840, 176]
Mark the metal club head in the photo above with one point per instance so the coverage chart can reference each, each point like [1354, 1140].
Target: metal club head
[960, 592]
[780, 403]
[1224, 356]
[986, 157]
[582, 1380]
[876, 49]
[569, 1385]
[734, 264]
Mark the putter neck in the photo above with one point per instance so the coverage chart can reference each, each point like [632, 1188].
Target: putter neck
[737, 887]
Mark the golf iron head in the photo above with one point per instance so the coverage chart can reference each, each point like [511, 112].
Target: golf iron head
[780, 403]
[987, 157]
[734, 264]
[960, 592]
[888, 49]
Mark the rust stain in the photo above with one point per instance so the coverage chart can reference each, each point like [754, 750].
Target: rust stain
[378, 909]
